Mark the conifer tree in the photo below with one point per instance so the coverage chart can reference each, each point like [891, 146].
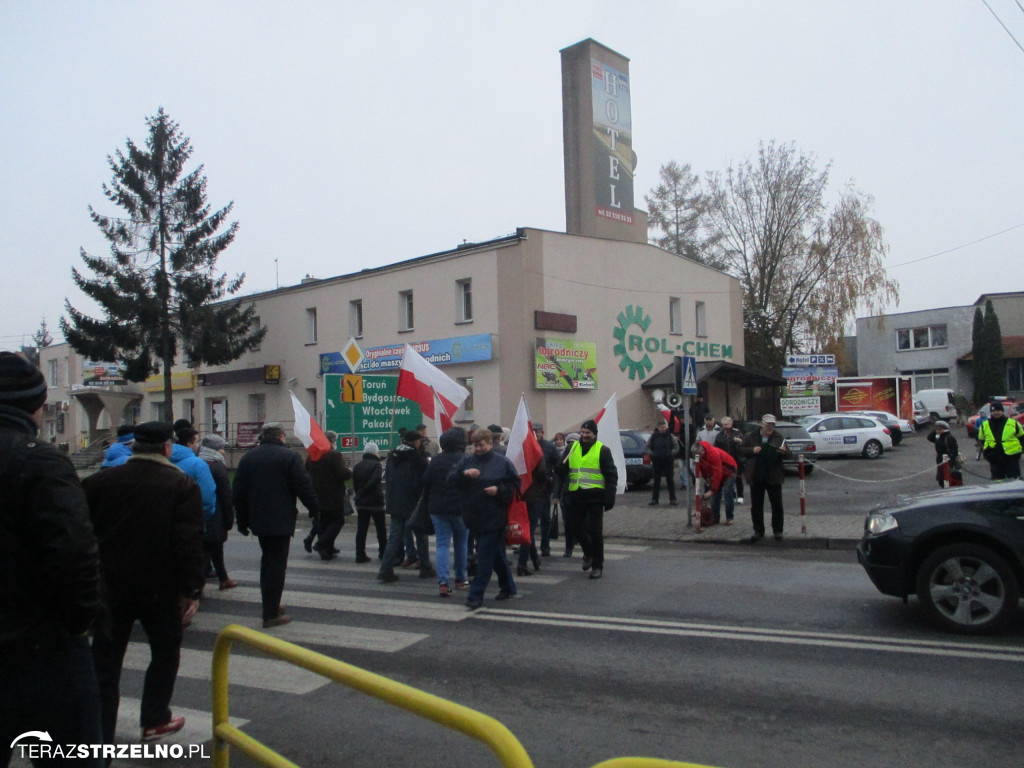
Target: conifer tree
[157, 288]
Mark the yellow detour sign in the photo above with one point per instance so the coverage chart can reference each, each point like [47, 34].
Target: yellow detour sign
[352, 388]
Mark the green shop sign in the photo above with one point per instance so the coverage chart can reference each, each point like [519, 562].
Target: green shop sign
[636, 344]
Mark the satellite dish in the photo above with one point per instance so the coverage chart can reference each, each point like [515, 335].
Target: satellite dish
[674, 400]
[658, 395]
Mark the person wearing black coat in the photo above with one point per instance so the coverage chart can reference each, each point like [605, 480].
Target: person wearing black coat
[268, 481]
[663, 447]
[49, 577]
[148, 516]
[368, 491]
[945, 446]
[211, 450]
[404, 472]
[329, 474]
[444, 505]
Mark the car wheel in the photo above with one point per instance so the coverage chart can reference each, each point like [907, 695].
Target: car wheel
[872, 449]
[967, 588]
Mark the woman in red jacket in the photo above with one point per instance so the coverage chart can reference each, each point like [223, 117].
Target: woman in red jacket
[718, 469]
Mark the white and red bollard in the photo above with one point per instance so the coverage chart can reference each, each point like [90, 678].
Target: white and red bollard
[803, 497]
[698, 490]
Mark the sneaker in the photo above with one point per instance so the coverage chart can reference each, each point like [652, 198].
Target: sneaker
[587, 562]
[739, 500]
[595, 573]
[155, 732]
[652, 503]
[444, 590]
[307, 543]
[409, 562]
[756, 538]
[281, 620]
[473, 604]
[503, 595]
[362, 558]
[387, 577]
[462, 584]
[228, 584]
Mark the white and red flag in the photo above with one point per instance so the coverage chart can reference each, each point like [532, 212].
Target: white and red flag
[608, 433]
[426, 385]
[308, 431]
[523, 449]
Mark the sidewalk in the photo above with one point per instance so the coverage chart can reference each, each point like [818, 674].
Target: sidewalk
[632, 518]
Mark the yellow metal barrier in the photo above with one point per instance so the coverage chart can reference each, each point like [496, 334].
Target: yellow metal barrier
[447, 713]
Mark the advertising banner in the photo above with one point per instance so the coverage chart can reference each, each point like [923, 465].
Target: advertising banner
[370, 419]
[800, 406]
[565, 364]
[96, 374]
[810, 380]
[613, 143]
[459, 349]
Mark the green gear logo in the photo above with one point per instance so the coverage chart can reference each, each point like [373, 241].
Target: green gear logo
[638, 369]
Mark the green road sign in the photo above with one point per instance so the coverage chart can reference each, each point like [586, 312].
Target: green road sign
[370, 420]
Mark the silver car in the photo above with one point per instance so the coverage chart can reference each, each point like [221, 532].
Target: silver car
[837, 434]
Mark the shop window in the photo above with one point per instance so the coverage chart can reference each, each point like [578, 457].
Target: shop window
[464, 300]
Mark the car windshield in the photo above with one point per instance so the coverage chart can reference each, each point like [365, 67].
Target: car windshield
[806, 421]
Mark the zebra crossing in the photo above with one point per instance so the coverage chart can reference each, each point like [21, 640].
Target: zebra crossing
[334, 603]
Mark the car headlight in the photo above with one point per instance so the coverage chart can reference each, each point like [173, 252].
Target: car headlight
[880, 522]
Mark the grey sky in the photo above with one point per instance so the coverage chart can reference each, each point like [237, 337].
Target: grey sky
[352, 135]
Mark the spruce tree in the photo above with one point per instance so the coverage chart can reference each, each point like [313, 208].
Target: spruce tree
[158, 289]
[978, 356]
[993, 345]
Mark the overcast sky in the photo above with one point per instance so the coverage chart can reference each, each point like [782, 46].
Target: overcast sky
[352, 135]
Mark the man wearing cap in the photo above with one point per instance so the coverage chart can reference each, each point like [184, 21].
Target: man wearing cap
[49, 576]
[329, 474]
[946, 449]
[1001, 443]
[593, 480]
[765, 450]
[118, 453]
[269, 479]
[148, 517]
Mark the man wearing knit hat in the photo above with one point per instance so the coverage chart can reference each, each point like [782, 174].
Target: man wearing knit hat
[49, 576]
[593, 480]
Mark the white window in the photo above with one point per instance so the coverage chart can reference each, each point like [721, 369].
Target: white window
[258, 407]
[405, 313]
[311, 325]
[464, 300]
[54, 371]
[925, 337]
[702, 319]
[675, 315]
[355, 318]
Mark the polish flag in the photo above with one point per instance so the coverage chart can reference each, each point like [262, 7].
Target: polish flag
[308, 431]
[425, 384]
[523, 450]
[608, 424]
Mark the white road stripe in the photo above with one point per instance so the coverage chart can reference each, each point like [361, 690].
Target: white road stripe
[785, 637]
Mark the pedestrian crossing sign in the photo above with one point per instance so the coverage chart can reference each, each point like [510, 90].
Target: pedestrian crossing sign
[689, 375]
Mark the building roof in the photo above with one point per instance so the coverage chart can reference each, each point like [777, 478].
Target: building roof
[1008, 295]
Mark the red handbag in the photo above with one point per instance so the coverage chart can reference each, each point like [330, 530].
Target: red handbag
[517, 531]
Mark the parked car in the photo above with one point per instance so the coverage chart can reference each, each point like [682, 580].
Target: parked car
[1013, 409]
[837, 434]
[800, 443]
[921, 414]
[897, 427]
[638, 459]
[939, 403]
[960, 551]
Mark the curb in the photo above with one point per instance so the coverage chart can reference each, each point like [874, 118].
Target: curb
[796, 541]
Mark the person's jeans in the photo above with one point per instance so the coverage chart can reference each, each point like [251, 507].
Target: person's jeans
[395, 550]
[660, 470]
[727, 490]
[214, 551]
[490, 558]
[758, 488]
[273, 564]
[50, 687]
[449, 530]
[161, 619]
[363, 526]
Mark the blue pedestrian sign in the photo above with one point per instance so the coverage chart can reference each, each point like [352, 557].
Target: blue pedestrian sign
[689, 375]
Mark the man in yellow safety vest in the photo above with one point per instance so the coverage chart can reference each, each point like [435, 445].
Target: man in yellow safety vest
[592, 481]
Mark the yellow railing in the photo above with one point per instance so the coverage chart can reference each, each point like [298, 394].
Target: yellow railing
[474, 724]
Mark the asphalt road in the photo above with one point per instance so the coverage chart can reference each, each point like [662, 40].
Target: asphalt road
[725, 656]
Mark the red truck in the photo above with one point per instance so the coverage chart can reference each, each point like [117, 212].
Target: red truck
[892, 394]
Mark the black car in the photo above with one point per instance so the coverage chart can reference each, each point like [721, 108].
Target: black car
[960, 551]
[638, 459]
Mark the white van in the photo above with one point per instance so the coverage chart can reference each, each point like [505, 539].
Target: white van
[938, 403]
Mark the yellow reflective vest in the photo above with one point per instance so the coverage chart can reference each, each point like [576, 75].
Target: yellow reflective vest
[1010, 438]
[585, 470]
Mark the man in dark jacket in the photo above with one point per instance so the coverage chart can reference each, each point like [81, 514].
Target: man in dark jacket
[764, 451]
[663, 447]
[404, 472]
[268, 481]
[946, 449]
[49, 576]
[211, 450]
[148, 517]
[551, 457]
[329, 474]
[593, 481]
[368, 490]
[444, 504]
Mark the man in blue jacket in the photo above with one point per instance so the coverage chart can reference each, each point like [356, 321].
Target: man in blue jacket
[184, 457]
